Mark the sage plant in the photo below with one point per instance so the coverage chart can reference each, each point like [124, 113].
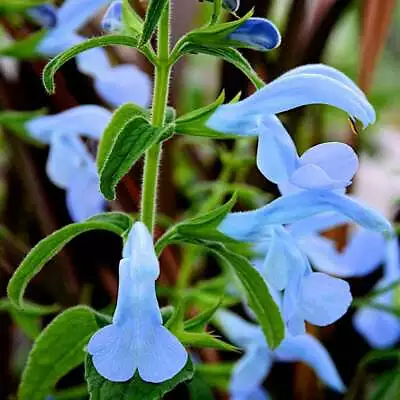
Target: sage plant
[274, 262]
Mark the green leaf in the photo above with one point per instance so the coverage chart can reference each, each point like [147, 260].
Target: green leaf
[47, 248]
[15, 122]
[153, 15]
[199, 389]
[131, 20]
[194, 123]
[120, 118]
[58, 350]
[199, 322]
[130, 143]
[25, 48]
[203, 340]
[57, 62]
[258, 296]
[211, 219]
[204, 226]
[136, 388]
[217, 35]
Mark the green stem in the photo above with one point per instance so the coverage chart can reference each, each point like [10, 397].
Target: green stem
[160, 101]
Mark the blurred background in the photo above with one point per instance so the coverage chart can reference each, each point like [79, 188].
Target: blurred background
[359, 37]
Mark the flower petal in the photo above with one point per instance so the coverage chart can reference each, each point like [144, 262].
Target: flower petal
[329, 72]
[313, 177]
[309, 350]
[112, 20]
[66, 157]
[289, 92]
[379, 328]
[84, 198]
[251, 370]
[297, 206]
[323, 299]
[93, 62]
[161, 355]
[113, 352]
[240, 332]
[88, 120]
[259, 33]
[276, 154]
[319, 223]
[364, 253]
[124, 83]
[337, 160]
[45, 15]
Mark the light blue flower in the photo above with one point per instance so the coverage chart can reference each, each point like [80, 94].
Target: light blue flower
[70, 166]
[112, 20]
[291, 208]
[45, 15]
[329, 166]
[115, 84]
[362, 255]
[71, 16]
[380, 328]
[252, 369]
[309, 84]
[136, 340]
[259, 33]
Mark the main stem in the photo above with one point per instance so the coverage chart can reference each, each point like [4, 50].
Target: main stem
[160, 101]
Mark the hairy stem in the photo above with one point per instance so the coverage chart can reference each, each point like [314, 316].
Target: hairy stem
[160, 100]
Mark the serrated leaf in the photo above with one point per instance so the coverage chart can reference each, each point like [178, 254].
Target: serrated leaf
[136, 388]
[15, 122]
[58, 349]
[153, 15]
[130, 143]
[57, 62]
[203, 340]
[199, 322]
[24, 49]
[131, 20]
[47, 248]
[119, 119]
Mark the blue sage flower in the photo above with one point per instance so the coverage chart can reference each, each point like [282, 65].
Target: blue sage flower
[115, 84]
[44, 15]
[112, 20]
[309, 84]
[71, 16]
[70, 166]
[380, 328]
[136, 340]
[252, 369]
[258, 33]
